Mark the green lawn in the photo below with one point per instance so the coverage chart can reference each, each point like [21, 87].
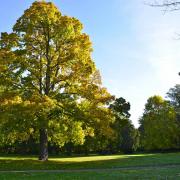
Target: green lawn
[147, 174]
[141, 166]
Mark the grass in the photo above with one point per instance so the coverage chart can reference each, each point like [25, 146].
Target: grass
[134, 162]
[147, 174]
[54, 163]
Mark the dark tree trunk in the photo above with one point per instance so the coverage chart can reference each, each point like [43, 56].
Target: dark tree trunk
[43, 145]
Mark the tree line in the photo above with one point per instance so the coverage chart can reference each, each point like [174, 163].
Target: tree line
[159, 131]
[52, 99]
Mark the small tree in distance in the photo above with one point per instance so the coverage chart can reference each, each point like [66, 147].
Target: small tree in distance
[158, 125]
[126, 137]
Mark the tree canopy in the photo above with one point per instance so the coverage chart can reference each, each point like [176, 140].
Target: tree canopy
[158, 125]
[126, 136]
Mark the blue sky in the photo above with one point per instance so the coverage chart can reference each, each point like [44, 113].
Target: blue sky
[136, 47]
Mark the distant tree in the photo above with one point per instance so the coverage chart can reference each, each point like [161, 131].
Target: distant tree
[126, 135]
[52, 87]
[174, 97]
[158, 125]
[121, 108]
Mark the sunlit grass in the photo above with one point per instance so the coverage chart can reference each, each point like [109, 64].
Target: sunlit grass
[88, 162]
[76, 159]
[90, 158]
[154, 167]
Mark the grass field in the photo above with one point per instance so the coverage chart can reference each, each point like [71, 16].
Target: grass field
[139, 166]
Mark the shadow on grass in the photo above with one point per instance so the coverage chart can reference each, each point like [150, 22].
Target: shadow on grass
[89, 162]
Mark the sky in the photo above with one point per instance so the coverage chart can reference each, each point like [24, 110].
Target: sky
[136, 47]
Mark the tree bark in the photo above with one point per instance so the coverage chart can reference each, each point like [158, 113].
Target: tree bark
[43, 131]
[43, 145]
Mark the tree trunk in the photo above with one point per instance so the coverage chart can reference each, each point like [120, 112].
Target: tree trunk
[43, 145]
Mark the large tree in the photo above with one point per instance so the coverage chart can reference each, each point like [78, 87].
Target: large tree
[52, 88]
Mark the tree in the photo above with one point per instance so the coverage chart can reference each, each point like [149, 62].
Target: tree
[174, 97]
[121, 108]
[158, 126]
[52, 87]
[126, 135]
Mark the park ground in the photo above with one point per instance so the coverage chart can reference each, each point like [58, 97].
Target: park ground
[138, 166]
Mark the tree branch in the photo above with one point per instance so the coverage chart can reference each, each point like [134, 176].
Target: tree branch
[170, 5]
